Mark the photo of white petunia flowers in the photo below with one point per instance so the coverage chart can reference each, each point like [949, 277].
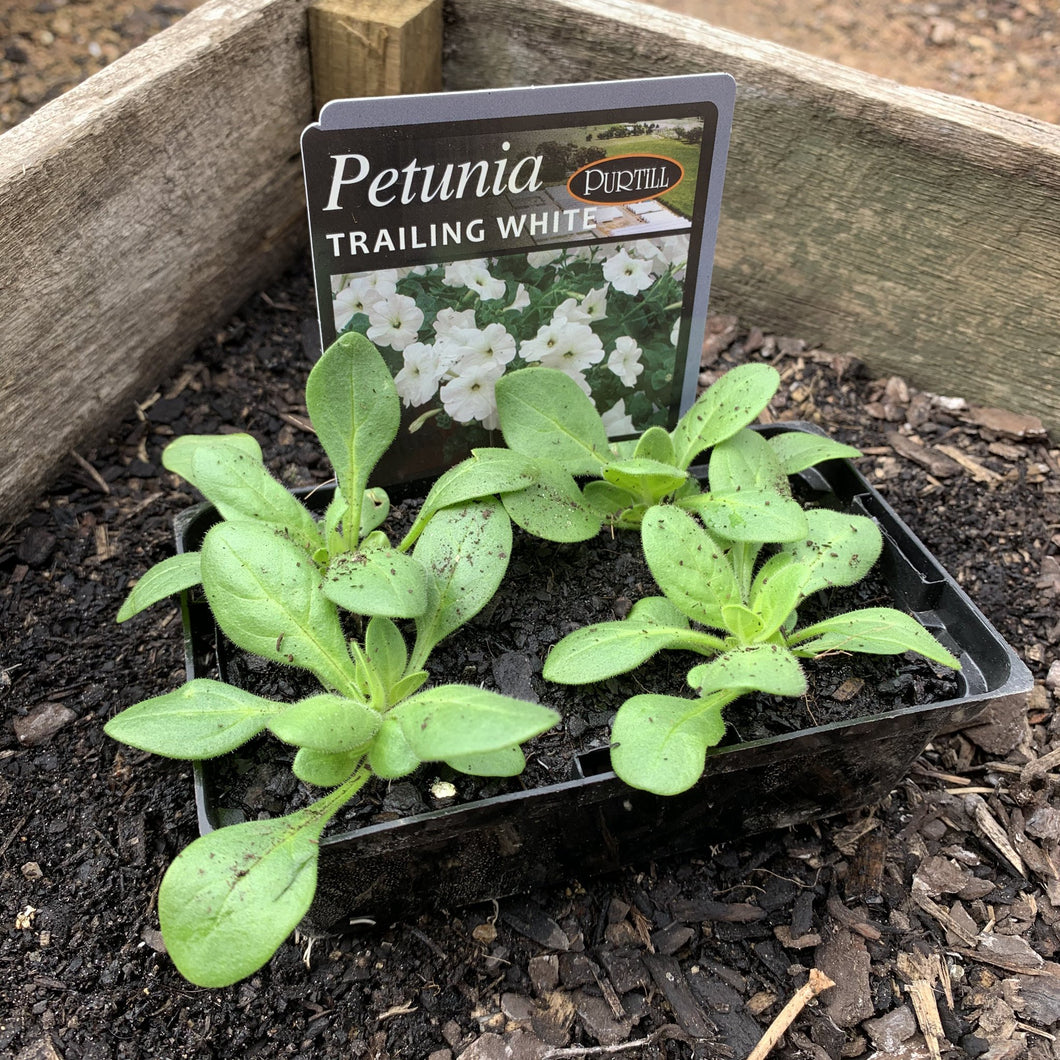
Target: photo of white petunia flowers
[606, 315]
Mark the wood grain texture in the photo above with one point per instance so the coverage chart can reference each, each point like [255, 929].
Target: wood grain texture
[374, 48]
[918, 231]
[139, 210]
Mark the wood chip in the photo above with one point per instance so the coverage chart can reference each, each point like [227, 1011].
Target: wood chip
[937, 463]
[816, 984]
[1011, 424]
[993, 831]
[973, 467]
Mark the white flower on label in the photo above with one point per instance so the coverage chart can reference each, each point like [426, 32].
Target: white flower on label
[624, 360]
[448, 321]
[626, 274]
[617, 421]
[418, 379]
[471, 395]
[394, 321]
[572, 311]
[538, 259]
[522, 298]
[491, 345]
[561, 344]
[358, 296]
[594, 304]
[476, 276]
[675, 332]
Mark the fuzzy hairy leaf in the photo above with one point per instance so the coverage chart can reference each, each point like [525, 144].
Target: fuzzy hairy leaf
[873, 630]
[454, 721]
[544, 413]
[465, 551]
[725, 407]
[645, 478]
[746, 461]
[230, 899]
[838, 549]
[355, 410]
[508, 762]
[762, 668]
[170, 576]
[265, 594]
[749, 515]
[325, 769]
[201, 719]
[798, 450]
[390, 755]
[326, 723]
[688, 565]
[377, 581]
[553, 508]
[659, 743]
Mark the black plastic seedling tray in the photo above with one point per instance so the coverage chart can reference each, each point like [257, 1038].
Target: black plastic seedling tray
[595, 823]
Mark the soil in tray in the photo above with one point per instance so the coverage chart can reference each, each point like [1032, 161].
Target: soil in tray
[550, 590]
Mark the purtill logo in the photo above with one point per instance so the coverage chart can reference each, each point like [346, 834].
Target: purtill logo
[625, 179]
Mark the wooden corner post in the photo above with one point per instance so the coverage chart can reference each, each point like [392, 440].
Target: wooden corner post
[374, 48]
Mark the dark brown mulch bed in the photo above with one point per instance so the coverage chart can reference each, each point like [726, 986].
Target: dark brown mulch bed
[936, 912]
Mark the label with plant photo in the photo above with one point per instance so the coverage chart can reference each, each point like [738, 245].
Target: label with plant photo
[471, 234]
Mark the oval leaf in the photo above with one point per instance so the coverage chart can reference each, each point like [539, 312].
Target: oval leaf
[172, 575]
[688, 565]
[326, 723]
[544, 413]
[746, 461]
[265, 594]
[202, 719]
[873, 630]
[798, 450]
[377, 581]
[647, 479]
[659, 743]
[230, 899]
[762, 668]
[508, 762]
[725, 407]
[390, 756]
[553, 508]
[325, 769]
[838, 549]
[355, 410]
[749, 515]
[453, 721]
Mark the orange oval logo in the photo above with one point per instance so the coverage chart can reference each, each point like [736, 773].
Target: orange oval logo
[625, 179]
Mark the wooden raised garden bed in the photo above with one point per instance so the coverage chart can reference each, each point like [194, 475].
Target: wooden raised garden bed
[913, 229]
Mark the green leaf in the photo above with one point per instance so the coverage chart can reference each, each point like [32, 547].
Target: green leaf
[325, 769]
[177, 455]
[873, 630]
[656, 444]
[657, 611]
[326, 723]
[172, 575]
[838, 549]
[230, 899]
[265, 595]
[730, 404]
[749, 515]
[390, 755]
[453, 721]
[356, 412]
[375, 507]
[776, 592]
[762, 668]
[647, 479]
[377, 581]
[228, 470]
[410, 683]
[202, 719]
[485, 472]
[609, 502]
[465, 551]
[553, 508]
[385, 650]
[798, 450]
[741, 622]
[746, 461]
[544, 413]
[508, 762]
[688, 565]
[659, 743]
[606, 649]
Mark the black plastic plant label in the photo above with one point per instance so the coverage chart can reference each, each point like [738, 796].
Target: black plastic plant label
[471, 234]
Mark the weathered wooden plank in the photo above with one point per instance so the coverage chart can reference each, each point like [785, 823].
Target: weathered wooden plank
[916, 230]
[374, 47]
[139, 210]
